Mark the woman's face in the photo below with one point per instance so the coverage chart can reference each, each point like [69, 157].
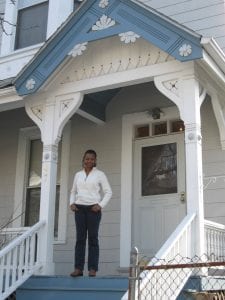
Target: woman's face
[89, 161]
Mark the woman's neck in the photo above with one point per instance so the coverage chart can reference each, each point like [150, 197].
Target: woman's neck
[88, 170]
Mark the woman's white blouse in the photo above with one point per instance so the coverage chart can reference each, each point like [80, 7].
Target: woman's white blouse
[86, 189]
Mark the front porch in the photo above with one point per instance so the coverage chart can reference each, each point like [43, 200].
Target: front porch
[78, 97]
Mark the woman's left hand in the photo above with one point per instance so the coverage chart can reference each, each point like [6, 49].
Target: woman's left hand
[96, 208]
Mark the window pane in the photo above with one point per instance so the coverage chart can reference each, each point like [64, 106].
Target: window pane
[31, 25]
[142, 131]
[33, 207]
[159, 169]
[35, 163]
[34, 185]
[159, 128]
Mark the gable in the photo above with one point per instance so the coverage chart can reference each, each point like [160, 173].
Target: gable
[96, 20]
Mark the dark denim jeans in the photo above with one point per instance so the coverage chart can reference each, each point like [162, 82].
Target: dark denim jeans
[87, 225]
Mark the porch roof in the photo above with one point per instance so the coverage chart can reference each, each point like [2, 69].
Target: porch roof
[96, 20]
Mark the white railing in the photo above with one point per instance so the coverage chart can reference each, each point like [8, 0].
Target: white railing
[215, 240]
[19, 260]
[7, 235]
[178, 244]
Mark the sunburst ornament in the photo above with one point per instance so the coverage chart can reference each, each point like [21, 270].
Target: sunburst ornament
[103, 23]
[128, 37]
[185, 50]
[30, 84]
[78, 49]
[103, 3]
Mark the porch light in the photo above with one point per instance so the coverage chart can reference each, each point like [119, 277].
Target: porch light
[155, 113]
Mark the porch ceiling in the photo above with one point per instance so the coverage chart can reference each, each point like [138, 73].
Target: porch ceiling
[96, 20]
[95, 103]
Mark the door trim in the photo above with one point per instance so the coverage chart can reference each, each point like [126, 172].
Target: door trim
[129, 121]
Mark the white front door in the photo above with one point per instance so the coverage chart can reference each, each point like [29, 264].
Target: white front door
[159, 184]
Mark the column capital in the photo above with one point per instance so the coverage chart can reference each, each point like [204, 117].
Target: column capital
[193, 133]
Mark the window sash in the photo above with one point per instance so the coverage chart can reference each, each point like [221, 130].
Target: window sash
[31, 25]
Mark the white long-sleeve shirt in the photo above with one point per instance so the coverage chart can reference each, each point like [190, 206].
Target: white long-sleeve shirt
[86, 189]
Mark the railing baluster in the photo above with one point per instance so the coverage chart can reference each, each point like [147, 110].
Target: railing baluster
[14, 265]
[19, 260]
[8, 270]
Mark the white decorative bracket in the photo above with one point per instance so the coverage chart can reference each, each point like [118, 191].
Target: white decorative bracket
[51, 114]
[219, 111]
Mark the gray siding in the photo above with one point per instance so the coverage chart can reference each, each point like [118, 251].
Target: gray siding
[213, 165]
[9, 132]
[2, 9]
[207, 17]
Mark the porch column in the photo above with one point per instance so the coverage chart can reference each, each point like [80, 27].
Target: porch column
[190, 114]
[183, 89]
[50, 114]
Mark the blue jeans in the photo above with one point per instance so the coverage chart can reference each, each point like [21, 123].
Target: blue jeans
[87, 225]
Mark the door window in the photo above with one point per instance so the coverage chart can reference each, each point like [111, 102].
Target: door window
[159, 169]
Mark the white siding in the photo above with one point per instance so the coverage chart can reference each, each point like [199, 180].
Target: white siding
[207, 17]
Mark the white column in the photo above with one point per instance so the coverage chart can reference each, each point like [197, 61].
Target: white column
[50, 115]
[190, 112]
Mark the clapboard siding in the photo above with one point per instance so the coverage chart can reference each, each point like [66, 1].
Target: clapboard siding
[2, 9]
[213, 165]
[205, 17]
[8, 151]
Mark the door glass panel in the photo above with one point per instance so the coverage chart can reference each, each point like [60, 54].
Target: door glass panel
[159, 169]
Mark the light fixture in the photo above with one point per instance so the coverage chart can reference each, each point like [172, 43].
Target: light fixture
[155, 113]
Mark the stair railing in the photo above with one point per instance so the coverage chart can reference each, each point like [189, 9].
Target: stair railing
[178, 244]
[19, 260]
[215, 240]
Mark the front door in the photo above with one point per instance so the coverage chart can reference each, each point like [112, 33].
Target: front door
[159, 186]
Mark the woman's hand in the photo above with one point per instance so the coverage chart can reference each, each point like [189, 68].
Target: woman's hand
[96, 208]
[73, 207]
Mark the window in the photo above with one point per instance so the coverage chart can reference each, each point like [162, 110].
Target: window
[31, 25]
[28, 176]
[33, 187]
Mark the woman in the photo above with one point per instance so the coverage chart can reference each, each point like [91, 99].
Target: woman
[86, 202]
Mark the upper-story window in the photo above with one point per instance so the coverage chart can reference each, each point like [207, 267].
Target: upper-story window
[31, 25]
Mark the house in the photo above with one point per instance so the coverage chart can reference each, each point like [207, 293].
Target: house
[142, 83]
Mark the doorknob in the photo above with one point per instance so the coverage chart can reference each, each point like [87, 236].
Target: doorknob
[182, 196]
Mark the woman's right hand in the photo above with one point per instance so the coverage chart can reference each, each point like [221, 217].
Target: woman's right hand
[73, 207]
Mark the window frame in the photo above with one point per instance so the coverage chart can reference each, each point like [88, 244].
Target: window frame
[22, 6]
[25, 137]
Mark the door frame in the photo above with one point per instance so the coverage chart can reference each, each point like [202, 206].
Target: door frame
[167, 200]
[129, 122]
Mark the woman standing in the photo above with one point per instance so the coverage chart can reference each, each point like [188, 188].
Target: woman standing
[86, 202]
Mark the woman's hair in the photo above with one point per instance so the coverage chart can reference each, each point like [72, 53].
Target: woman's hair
[90, 151]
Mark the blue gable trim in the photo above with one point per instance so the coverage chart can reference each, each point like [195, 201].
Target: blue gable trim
[128, 15]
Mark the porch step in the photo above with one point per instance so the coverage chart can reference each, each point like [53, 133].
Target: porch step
[198, 287]
[61, 287]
